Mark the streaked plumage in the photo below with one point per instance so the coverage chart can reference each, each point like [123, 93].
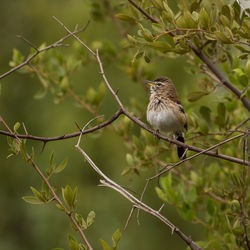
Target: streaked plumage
[165, 111]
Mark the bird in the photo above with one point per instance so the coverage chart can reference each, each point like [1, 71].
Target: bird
[165, 111]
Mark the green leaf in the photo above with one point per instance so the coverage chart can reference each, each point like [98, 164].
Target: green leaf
[125, 18]
[161, 46]
[68, 196]
[16, 126]
[225, 21]
[157, 4]
[131, 39]
[80, 221]
[194, 96]
[192, 195]
[129, 159]
[146, 33]
[116, 238]
[32, 200]
[37, 194]
[222, 37]
[60, 207]
[61, 166]
[221, 115]
[64, 84]
[73, 244]
[204, 19]
[90, 218]
[157, 28]
[206, 113]
[210, 208]
[105, 245]
[169, 13]
[40, 94]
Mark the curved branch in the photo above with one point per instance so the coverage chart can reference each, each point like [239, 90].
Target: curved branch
[206, 60]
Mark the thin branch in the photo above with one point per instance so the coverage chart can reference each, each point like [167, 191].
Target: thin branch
[76, 37]
[136, 203]
[38, 51]
[206, 60]
[165, 169]
[152, 19]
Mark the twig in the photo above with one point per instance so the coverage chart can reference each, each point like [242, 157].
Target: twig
[76, 37]
[195, 155]
[136, 203]
[153, 20]
[38, 51]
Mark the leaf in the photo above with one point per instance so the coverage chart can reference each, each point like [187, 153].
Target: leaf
[161, 46]
[80, 221]
[125, 18]
[194, 96]
[157, 28]
[146, 33]
[204, 19]
[210, 208]
[40, 94]
[169, 13]
[157, 4]
[206, 113]
[221, 115]
[73, 244]
[247, 68]
[61, 166]
[90, 218]
[131, 39]
[116, 238]
[222, 37]
[129, 159]
[105, 245]
[37, 194]
[60, 207]
[16, 126]
[192, 195]
[68, 196]
[32, 200]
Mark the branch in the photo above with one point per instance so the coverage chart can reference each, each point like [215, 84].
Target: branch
[206, 60]
[136, 203]
[153, 20]
[38, 51]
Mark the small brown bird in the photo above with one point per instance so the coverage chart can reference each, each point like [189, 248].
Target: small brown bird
[165, 111]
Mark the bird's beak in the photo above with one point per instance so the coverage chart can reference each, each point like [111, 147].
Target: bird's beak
[151, 83]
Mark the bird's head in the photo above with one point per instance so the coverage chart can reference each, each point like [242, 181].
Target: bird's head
[159, 85]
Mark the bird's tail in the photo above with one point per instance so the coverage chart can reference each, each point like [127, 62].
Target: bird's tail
[180, 150]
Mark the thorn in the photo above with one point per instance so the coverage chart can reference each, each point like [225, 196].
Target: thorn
[78, 127]
[161, 207]
[116, 92]
[43, 147]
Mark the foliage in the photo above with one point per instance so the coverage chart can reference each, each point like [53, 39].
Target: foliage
[207, 191]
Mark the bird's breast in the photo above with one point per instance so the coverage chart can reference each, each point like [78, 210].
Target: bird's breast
[166, 119]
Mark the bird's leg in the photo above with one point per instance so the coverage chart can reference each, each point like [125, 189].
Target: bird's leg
[156, 133]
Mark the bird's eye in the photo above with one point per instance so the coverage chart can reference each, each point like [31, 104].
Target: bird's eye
[158, 84]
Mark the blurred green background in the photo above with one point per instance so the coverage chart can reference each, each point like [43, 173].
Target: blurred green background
[26, 226]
